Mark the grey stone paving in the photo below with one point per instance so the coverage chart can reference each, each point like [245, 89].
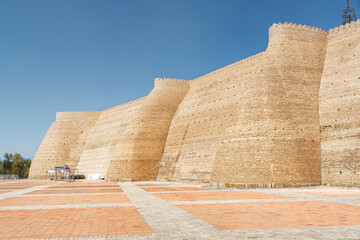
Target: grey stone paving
[166, 220]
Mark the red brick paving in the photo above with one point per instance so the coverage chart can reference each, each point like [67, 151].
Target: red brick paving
[267, 215]
[329, 192]
[75, 222]
[7, 181]
[87, 222]
[84, 186]
[156, 185]
[76, 191]
[20, 185]
[165, 184]
[82, 181]
[13, 187]
[220, 195]
[64, 200]
[173, 189]
[30, 183]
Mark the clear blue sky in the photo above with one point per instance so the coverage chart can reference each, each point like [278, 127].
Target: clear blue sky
[76, 55]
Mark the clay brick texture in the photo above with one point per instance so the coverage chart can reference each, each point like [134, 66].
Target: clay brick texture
[288, 116]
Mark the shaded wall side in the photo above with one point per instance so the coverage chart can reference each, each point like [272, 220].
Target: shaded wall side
[61, 144]
[107, 132]
[138, 155]
[276, 141]
[207, 111]
[78, 147]
[340, 107]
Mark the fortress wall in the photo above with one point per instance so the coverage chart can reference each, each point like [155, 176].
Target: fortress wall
[254, 123]
[138, 153]
[276, 141]
[340, 108]
[107, 132]
[258, 103]
[206, 112]
[63, 142]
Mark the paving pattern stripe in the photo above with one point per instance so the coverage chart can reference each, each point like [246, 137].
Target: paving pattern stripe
[196, 191]
[166, 220]
[167, 186]
[344, 200]
[67, 194]
[240, 201]
[100, 188]
[66, 206]
[26, 190]
[1, 183]
[306, 233]
[76, 191]
[117, 237]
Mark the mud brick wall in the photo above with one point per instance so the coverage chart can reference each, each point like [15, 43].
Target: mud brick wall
[138, 154]
[340, 107]
[105, 135]
[288, 116]
[255, 121]
[63, 142]
[276, 140]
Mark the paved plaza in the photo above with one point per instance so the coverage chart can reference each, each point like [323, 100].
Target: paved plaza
[150, 210]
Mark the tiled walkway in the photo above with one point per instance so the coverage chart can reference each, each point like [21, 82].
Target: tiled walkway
[148, 210]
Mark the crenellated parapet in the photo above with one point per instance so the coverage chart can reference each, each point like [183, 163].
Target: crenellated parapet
[274, 29]
[230, 67]
[295, 27]
[69, 116]
[170, 82]
[284, 35]
[344, 29]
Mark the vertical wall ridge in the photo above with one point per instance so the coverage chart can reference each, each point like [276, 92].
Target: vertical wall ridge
[340, 108]
[139, 158]
[63, 142]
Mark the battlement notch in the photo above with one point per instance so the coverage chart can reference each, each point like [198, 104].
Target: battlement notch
[170, 82]
[348, 27]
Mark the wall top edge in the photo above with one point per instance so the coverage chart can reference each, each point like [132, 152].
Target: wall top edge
[297, 26]
[245, 60]
[274, 26]
[354, 25]
[171, 79]
[79, 112]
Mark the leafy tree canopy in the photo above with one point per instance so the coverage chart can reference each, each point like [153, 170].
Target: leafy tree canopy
[15, 164]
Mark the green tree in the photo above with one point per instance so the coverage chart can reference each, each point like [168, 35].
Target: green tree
[1, 167]
[7, 163]
[27, 164]
[18, 166]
